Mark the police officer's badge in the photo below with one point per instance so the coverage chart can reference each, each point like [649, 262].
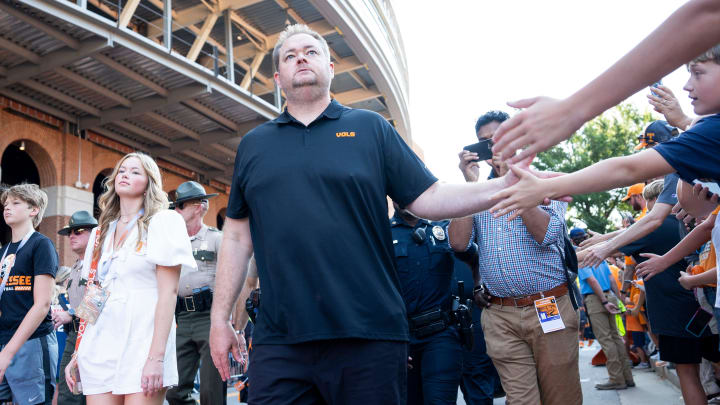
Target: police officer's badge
[438, 232]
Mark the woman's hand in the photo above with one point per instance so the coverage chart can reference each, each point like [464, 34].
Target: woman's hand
[151, 380]
[69, 374]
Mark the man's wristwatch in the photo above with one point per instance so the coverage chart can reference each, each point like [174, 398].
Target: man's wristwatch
[604, 303]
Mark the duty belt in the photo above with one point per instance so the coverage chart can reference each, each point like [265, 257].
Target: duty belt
[198, 302]
[429, 322]
[528, 300]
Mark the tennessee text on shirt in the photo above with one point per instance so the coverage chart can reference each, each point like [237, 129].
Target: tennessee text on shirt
[345, 134]
[19, 283]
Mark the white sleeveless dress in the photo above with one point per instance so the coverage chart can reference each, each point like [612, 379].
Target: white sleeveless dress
[113, 352]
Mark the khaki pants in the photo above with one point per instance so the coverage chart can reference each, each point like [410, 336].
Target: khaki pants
[534, 367]
[604, 327]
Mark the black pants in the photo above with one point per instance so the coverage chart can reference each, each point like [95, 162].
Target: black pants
[65, 396]
[480, 380]
[436, 369]
[333, 372]
[193, 351]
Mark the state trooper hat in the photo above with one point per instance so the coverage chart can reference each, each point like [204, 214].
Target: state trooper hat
[79, 219]
[190, 190]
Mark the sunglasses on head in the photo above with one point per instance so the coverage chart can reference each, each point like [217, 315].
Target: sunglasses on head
[77, 231]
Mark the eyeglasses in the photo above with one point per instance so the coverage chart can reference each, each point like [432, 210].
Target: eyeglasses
[77, 231]
[198, 202]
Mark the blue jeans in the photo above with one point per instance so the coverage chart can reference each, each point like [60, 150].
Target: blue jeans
[30, 378]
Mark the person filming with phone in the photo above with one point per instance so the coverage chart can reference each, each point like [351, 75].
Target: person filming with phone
[521, 263]
[471, 155]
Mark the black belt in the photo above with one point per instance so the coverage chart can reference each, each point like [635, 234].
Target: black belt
[198, 302]
[429, 322]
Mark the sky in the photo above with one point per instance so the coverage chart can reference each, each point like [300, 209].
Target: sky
[466, 57]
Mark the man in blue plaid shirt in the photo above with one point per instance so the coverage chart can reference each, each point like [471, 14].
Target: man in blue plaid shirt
[521, 261]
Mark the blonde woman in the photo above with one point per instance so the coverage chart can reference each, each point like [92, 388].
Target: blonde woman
[128, 355]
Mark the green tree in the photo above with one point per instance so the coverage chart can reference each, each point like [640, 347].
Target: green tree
[612, 134]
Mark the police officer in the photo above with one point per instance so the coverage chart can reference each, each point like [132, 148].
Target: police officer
[480, 380]
[425, 264]
[78, 232]
[194, 302]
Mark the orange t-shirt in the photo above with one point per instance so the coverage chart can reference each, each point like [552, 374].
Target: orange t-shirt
[707, 261]
[635, 323]
[615, 270]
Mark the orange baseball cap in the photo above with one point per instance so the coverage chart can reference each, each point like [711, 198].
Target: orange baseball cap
[635, 189]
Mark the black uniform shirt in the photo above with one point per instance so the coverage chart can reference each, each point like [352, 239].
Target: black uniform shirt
[425, 268]
[316, 201]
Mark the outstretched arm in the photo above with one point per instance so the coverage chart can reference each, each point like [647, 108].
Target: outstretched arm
[443, 200]
[690, 243]
[688, 32]
[608, 174]
[643, 227]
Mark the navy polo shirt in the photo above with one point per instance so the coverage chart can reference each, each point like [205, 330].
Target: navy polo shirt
[425, 268]
[316, 201]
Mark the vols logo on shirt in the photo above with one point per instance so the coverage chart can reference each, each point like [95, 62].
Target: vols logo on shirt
[345, 134]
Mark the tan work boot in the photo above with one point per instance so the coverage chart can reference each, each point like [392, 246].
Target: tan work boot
[610, 386]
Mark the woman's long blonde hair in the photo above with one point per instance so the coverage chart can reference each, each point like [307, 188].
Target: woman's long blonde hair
[155, 199]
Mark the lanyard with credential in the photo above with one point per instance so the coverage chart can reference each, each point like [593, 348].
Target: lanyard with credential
[6, 273]
[106, 265]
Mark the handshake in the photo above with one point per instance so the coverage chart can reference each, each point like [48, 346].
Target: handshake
[525, 187]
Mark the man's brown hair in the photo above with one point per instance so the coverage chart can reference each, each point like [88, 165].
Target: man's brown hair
[712, 54]
[295, 30]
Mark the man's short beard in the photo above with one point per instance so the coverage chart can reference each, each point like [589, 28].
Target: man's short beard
[305, 83]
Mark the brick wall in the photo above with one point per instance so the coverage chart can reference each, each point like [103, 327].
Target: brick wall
[60, 157]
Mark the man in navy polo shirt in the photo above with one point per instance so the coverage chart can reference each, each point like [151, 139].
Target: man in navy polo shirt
[309, 197]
